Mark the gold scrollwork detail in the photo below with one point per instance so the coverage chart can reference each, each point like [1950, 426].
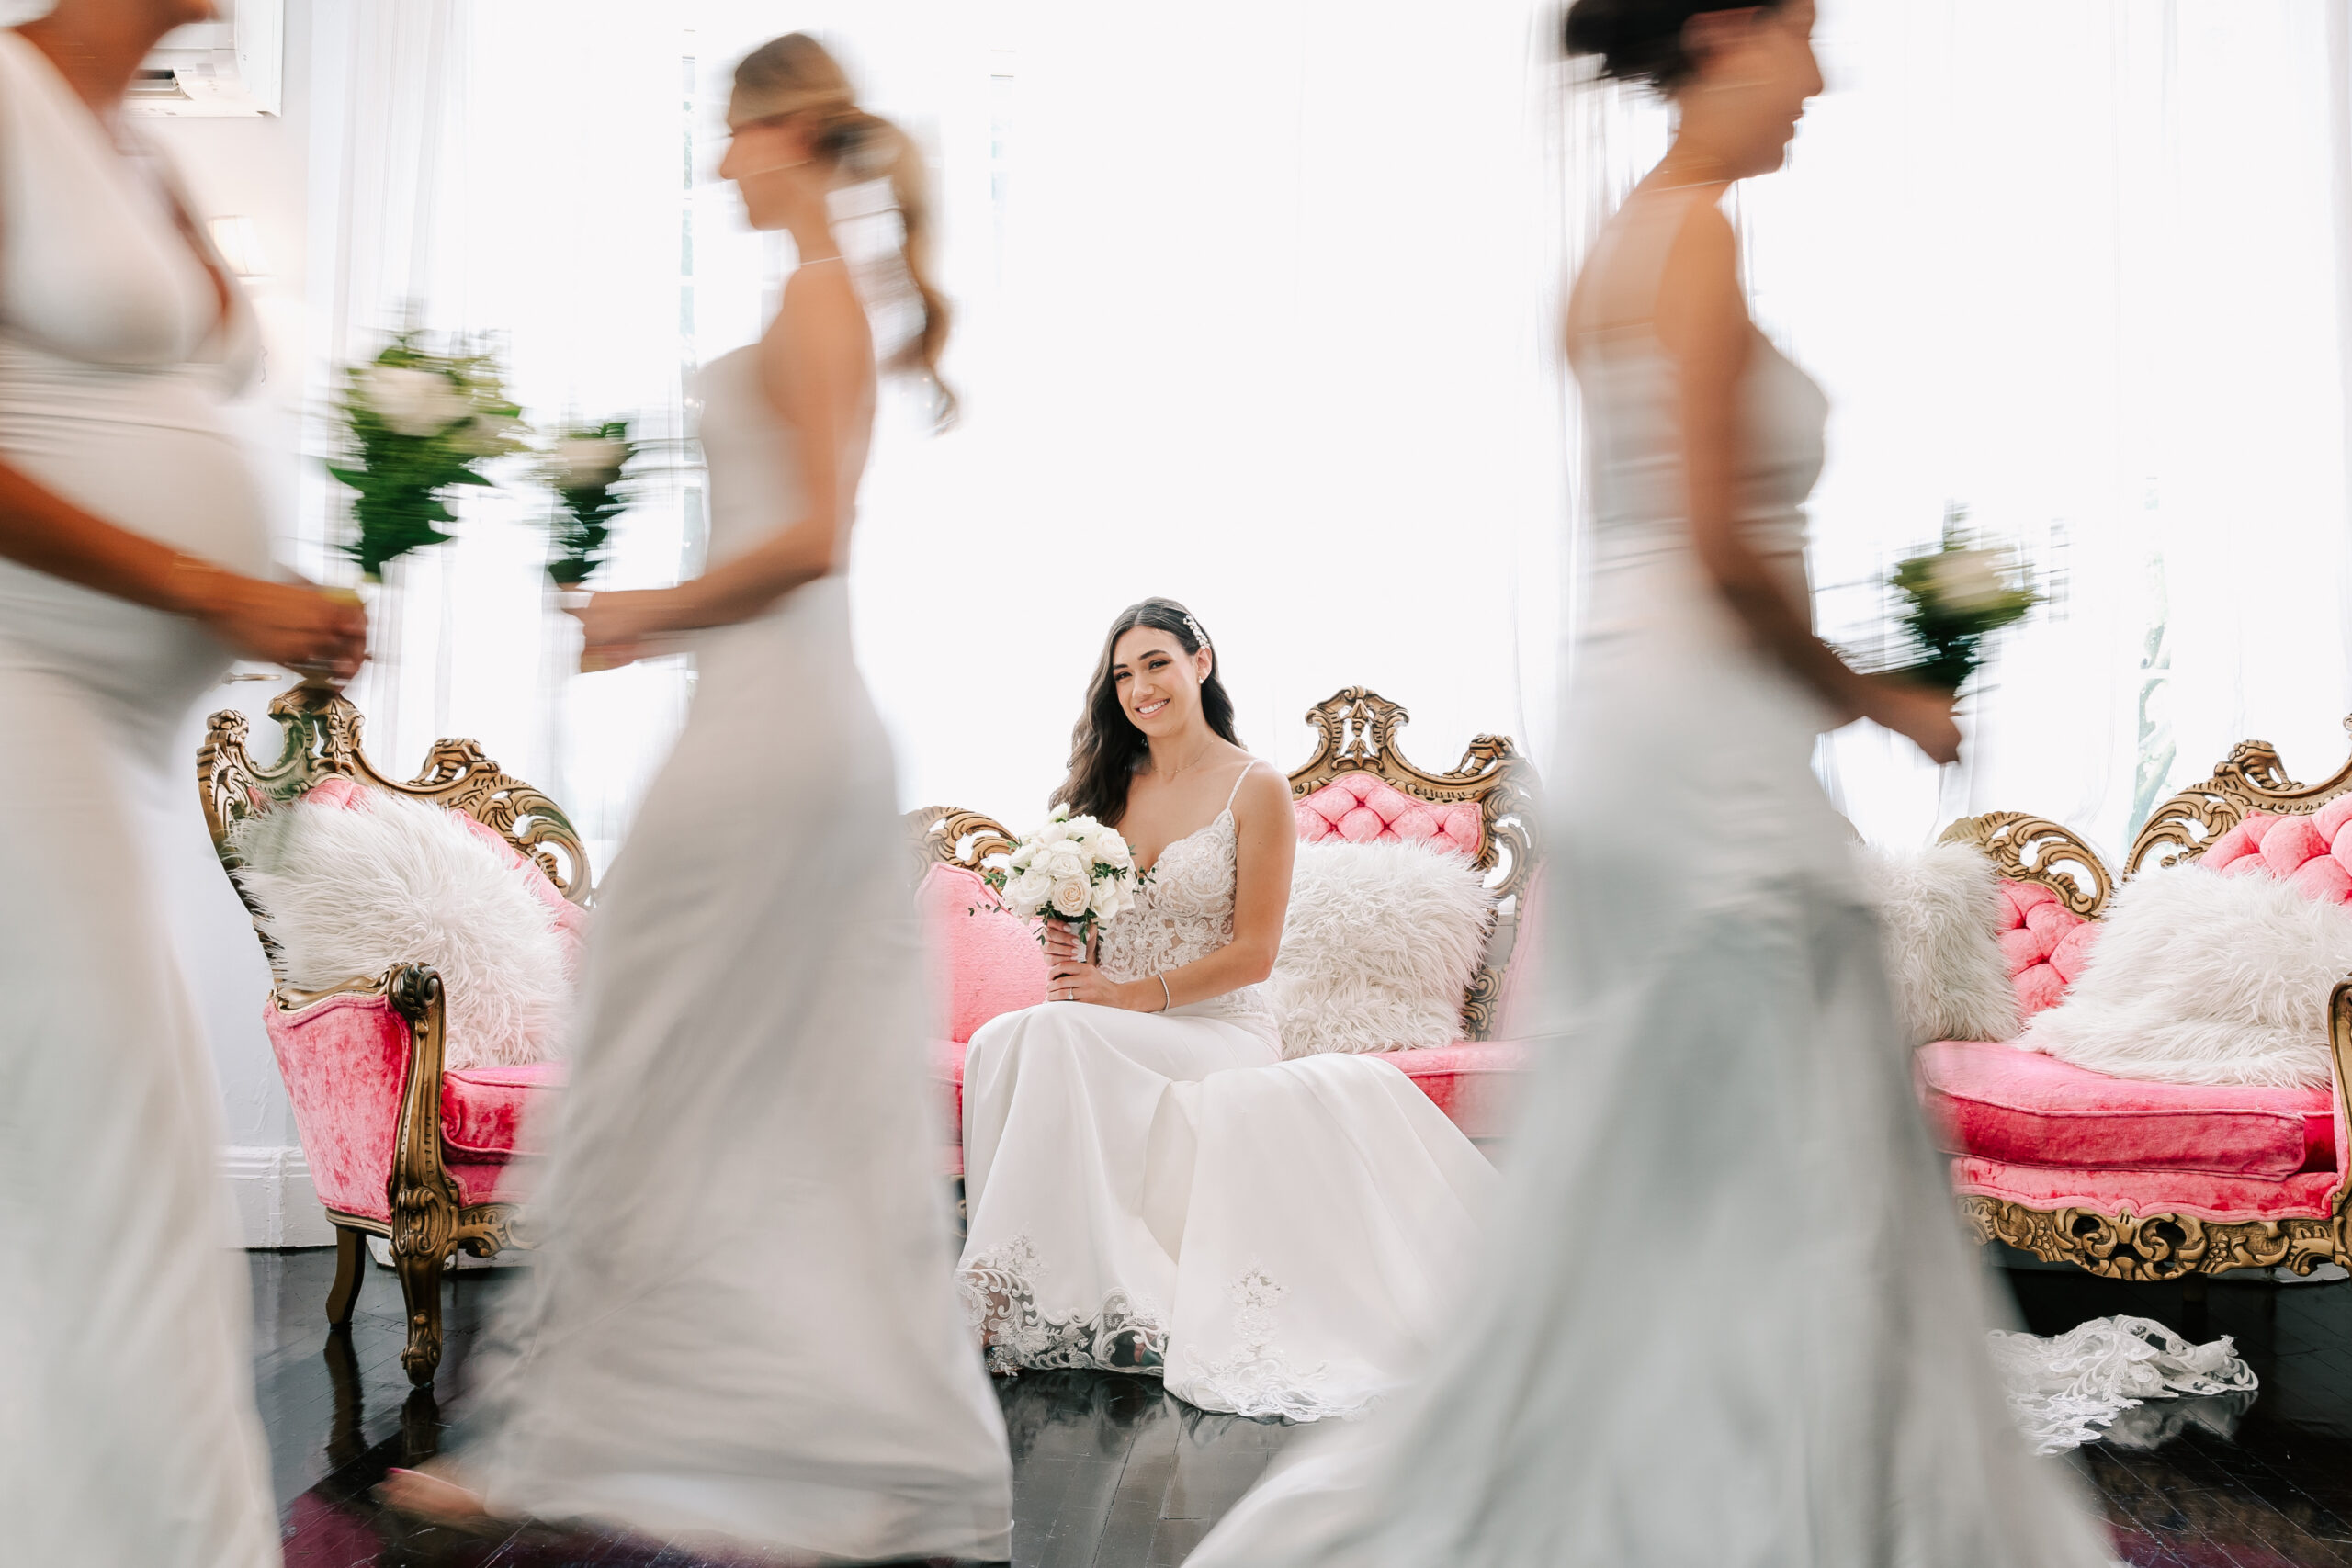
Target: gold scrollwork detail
[953, 836]
[2033, 849]
[321, 734]
[2251, 778]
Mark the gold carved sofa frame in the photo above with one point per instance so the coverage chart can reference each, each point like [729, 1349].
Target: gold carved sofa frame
[321, 739]
[1355, 733]
[2167, 1245]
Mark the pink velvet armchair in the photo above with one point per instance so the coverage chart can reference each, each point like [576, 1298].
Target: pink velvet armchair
[398, 1145]
[1357, 787]
[2128, 1178]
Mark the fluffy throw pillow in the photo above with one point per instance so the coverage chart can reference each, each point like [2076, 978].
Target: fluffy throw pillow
[1937, 911]
[2205, 978]
[350, 888]
[1380, 943]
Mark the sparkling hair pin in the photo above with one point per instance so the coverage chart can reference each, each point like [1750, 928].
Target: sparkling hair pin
[1193, 626]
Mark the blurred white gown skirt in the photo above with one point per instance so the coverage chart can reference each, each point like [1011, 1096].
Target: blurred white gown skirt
[1727, 1316]
[1161, 1193]
[128, 1432]
[742, 1322]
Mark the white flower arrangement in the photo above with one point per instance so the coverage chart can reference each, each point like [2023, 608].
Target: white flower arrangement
[1073, 870]
[584, 468]
[1957, 595]
[418, 423]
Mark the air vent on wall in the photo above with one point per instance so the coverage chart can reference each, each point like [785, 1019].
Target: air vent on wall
[232, 66]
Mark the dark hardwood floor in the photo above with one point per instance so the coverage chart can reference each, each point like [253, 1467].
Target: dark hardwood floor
[1109, 1473]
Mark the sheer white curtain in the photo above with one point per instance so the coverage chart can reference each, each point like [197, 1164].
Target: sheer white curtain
[2081, 269]
[1254, 312]
[1259, 311]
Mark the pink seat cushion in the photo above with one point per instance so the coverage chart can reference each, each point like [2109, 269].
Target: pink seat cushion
[1474, 1082]
[2043, 942]
[2307, 1195]
[2001, 1103]
[344, 1061]
[494, 1114]
[1362, 809]
[985, 961]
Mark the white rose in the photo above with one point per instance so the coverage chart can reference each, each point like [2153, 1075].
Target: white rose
[582, 462]
[1966, 580]
[1055, 831]
[1111, 900]
[1111, 850]
[412, 401]
[1021, 857]
[1028, 893]
[1067, 860]
[1071, 896]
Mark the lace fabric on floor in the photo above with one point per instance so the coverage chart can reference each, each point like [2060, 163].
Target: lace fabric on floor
[2065, 1390]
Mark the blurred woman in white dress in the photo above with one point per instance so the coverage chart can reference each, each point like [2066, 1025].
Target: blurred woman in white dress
[1151, 1186]
[741, 1324]
[1726, 1315]
[134, 561]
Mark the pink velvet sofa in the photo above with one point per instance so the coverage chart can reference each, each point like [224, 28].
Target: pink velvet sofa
[431, 1158]
[2135, 1180]
[1356, 787]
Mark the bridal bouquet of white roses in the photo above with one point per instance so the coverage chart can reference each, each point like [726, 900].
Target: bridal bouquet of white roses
[1959, 594]
[417, 423]
[1073, 870]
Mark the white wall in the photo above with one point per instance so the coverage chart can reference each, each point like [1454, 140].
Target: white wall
[259, 168]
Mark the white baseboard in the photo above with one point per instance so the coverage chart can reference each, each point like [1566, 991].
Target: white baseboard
[276, 1204]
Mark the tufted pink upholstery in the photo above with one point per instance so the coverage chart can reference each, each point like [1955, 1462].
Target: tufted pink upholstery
[1362, 809]
[2045, 941]
[2313, 853]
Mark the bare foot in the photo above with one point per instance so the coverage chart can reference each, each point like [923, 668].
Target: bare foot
[434, 1494]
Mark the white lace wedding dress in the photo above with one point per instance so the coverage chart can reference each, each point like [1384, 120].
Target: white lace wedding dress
[1725, 1316]
[128, 1433]
[1161, 1193]
[742, 1320]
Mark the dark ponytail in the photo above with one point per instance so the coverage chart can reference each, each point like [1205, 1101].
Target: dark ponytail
[1105, 747]
[1640, 41]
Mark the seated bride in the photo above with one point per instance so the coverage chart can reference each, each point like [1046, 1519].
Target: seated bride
[1151, 1186]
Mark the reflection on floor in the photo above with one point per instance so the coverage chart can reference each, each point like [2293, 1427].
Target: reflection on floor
[1108, 1472]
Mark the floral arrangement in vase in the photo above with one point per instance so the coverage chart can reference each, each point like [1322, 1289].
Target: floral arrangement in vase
[418, 422]
[583, 467]
[1073, 870]
[1957, 595]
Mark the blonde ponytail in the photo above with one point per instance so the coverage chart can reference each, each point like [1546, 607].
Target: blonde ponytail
[796, 75]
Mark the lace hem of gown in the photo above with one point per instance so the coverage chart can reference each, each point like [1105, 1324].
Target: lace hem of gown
[1258, 1379]
[1124, 1335]
[2063, 1390]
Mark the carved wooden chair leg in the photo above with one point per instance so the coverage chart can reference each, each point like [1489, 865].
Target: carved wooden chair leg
[350, 1268]
[421, 1295]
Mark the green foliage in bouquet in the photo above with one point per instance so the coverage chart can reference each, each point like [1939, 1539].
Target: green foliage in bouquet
[1957, 595]
[418, 423]
[584, 468]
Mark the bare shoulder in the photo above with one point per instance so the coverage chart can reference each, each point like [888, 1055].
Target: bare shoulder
[1699, 297]
[1261, 791]
[819, 323]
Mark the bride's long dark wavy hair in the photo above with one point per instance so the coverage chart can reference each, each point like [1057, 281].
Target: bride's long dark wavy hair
[1105, 747]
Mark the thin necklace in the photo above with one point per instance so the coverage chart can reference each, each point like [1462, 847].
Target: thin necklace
[819, 261]
[1198, 759]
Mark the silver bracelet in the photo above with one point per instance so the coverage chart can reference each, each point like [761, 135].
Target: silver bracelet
[1164, 999]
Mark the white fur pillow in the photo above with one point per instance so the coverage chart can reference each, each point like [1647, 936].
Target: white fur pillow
[1380, 943]
[1938, 910]
[351, 891]
[2204, 979]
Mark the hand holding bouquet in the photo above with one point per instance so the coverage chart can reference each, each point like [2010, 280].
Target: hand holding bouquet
[1073, 871]
[1959, 594]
